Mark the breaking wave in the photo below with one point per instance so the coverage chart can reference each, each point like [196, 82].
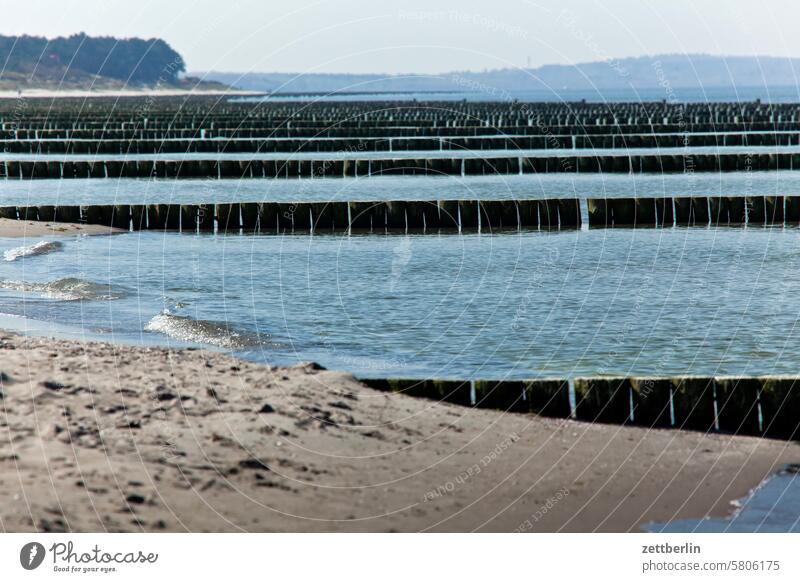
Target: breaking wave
[202, 332]
[40, 248]
[67, 289]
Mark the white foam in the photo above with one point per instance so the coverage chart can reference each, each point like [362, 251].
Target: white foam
[198, 331]
[40, 248]
[67, 289]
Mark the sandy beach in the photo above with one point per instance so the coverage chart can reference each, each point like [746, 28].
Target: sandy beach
[10, 228]
[103, 437]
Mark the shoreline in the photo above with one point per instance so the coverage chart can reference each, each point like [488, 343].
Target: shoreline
[88, 94]
[10, 228]
[121, 438]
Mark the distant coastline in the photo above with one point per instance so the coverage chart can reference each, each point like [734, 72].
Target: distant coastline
[766, 94]
[660, 77]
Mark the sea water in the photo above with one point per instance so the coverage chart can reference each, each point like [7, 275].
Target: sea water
[495, 187]
[772, 507]
[512, 305]
[345, 154]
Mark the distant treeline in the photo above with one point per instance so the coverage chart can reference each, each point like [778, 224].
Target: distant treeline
[131, 60]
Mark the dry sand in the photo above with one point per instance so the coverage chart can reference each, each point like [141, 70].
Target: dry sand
[107, 437]
[30, 228]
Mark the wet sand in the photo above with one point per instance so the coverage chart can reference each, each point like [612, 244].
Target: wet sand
[29, 228]
[100, 437]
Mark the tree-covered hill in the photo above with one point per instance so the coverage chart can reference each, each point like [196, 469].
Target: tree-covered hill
[79, 58]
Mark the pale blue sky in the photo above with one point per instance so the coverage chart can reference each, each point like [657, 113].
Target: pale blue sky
[419, 36]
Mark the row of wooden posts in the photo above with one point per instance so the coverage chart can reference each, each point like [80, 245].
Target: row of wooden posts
[422, 216]
[693, 211]
[321, 217]
[334, 129]
[139, 144]
[364, 167]
[763, 406]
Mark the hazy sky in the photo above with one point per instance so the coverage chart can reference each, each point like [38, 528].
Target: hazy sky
[419, 36]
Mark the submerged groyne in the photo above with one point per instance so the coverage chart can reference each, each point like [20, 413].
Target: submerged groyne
[491, 164]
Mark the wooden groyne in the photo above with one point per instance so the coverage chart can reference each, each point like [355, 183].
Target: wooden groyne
[319, 217]
[437, 166]
[759, 406]
[132, 143]
[381, 118]
[197, 125]
[693, 211]
[565, 135]
[421, 216]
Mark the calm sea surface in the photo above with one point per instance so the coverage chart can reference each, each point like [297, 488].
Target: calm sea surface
[142, 191]
[404, 154]
[671, 301]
